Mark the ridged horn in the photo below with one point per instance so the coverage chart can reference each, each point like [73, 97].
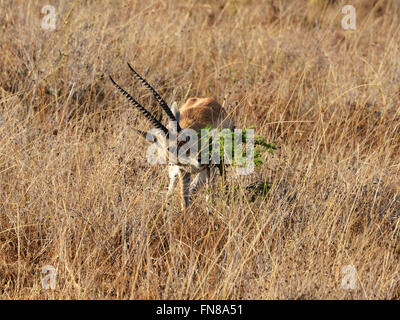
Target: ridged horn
[159, 99]
[142, 109]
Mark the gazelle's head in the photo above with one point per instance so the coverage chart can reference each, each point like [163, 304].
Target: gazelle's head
[170, 140]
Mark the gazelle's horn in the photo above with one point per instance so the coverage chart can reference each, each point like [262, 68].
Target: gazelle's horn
[148, 115]
[159, 99]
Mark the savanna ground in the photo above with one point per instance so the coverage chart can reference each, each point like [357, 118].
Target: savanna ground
[77, 194]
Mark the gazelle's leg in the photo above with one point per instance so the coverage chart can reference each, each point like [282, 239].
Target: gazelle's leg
[185, 185]
[202, 177]
[173, 171]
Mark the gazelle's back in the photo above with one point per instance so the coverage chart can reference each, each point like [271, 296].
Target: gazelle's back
[198, 113]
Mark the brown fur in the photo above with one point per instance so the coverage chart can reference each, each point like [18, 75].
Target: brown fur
[198, 113]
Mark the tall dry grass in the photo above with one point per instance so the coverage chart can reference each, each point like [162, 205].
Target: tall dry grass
[76, 192]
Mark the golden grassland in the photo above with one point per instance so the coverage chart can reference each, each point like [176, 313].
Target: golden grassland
[76, 192]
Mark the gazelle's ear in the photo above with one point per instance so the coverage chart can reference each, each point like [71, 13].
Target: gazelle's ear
[175, 110]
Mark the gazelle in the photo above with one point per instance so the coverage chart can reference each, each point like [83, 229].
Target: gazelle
[195, 114]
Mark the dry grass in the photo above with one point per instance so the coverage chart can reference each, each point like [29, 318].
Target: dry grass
[76, 192]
